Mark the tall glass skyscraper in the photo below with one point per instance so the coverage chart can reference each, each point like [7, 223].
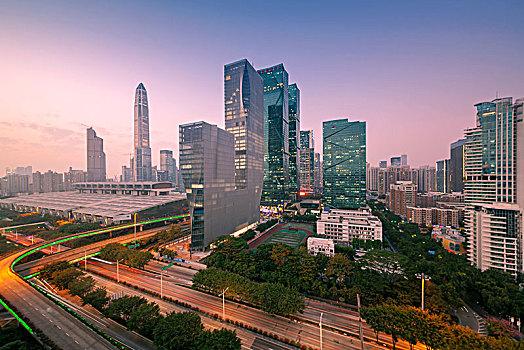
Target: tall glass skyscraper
[244, 118]
[294, 139]
[344, 163]
[142, 152]
[276, 135]
[96, 158]
[456, 166]
[307, 160]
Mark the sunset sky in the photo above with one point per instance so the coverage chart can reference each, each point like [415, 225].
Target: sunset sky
[411, 69]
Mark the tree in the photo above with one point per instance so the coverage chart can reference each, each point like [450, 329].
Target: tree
[219, 339]
[120, 309]
[178, 331]
[96, 298]
[61, 279]
[339, 266]
[144, 319]
[81, 286]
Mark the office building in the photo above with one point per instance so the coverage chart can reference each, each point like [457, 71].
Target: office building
[442, 176]
[383, 164]
[167, 166]
[372, 178]
[426, 178]
[318, 174]
[395, 161]
[344, 145]
[400, 196]
[142, 170]
[294, 140]
[307, 161]
[342, 226]
[96, 158]
[456, 166]
[324, 246]
[244, 118]
[493, 189]
[404, 160]
[207, 161]
[126, 174]
[276, 135]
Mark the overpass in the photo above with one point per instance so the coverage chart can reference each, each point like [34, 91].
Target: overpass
[57, 324]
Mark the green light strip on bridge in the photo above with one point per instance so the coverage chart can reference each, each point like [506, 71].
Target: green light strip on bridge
[69, 262]
[22, 322]
[92, 234]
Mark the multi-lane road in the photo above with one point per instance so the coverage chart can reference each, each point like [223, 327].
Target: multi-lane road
[302, 332]
[62, 328]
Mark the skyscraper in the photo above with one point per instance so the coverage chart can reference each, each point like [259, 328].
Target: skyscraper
[493, 187]
[383, 164]
[294, 139]
[307, 160]
[96, 158]
[142, 153]
[456, 165]
[396, 161]
[442, 176]
[276, 135]
[344, 163]
[244, 118]
[404, 159]
[167, 164]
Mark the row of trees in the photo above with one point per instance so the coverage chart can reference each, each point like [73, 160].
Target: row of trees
[175, 331]
[65, 276]
[131, 257]
[270, 297]
[453, 276]
[162, 237]
[434, 331]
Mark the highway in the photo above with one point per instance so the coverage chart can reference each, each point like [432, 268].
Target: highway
[340, 318]
[250, 340]
[34, 266]
[62, 328]
[306, 334]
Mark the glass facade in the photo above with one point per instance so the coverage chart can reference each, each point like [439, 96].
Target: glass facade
[276, 135]
[96, 158]
[244, 118]
[344, 145]
[307, 160]
[142, 161]
[294, 139]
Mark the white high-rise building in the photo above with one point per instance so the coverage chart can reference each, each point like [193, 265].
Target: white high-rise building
[494, 186]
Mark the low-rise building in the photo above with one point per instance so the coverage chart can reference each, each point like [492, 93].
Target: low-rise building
[343, 225]
[434, 216]
[450, 238]
[316, 245]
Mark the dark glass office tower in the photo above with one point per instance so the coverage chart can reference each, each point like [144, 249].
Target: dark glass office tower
[456, 166]
[294, 139]
[344, 163]
[142, 159]
[244, 118]
[307, 160]
[443, 176]
[276, 135]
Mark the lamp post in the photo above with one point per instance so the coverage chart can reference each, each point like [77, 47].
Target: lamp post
[135, 229]
[117, 272]
[360, 323]
[320, 324]
[224, 304]
[423, 291]
[164, 268]
[85, 259]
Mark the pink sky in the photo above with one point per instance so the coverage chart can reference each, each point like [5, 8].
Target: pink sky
[413, 79]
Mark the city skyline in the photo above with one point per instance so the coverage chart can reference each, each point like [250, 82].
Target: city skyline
[387, 64]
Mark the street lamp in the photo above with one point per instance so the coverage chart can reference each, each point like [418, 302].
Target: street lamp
[224, 304]
[360, 323]
[423, 278]
[135, 228]
[85, 259]
[162, 269]
[320, 324]
[117, 273]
